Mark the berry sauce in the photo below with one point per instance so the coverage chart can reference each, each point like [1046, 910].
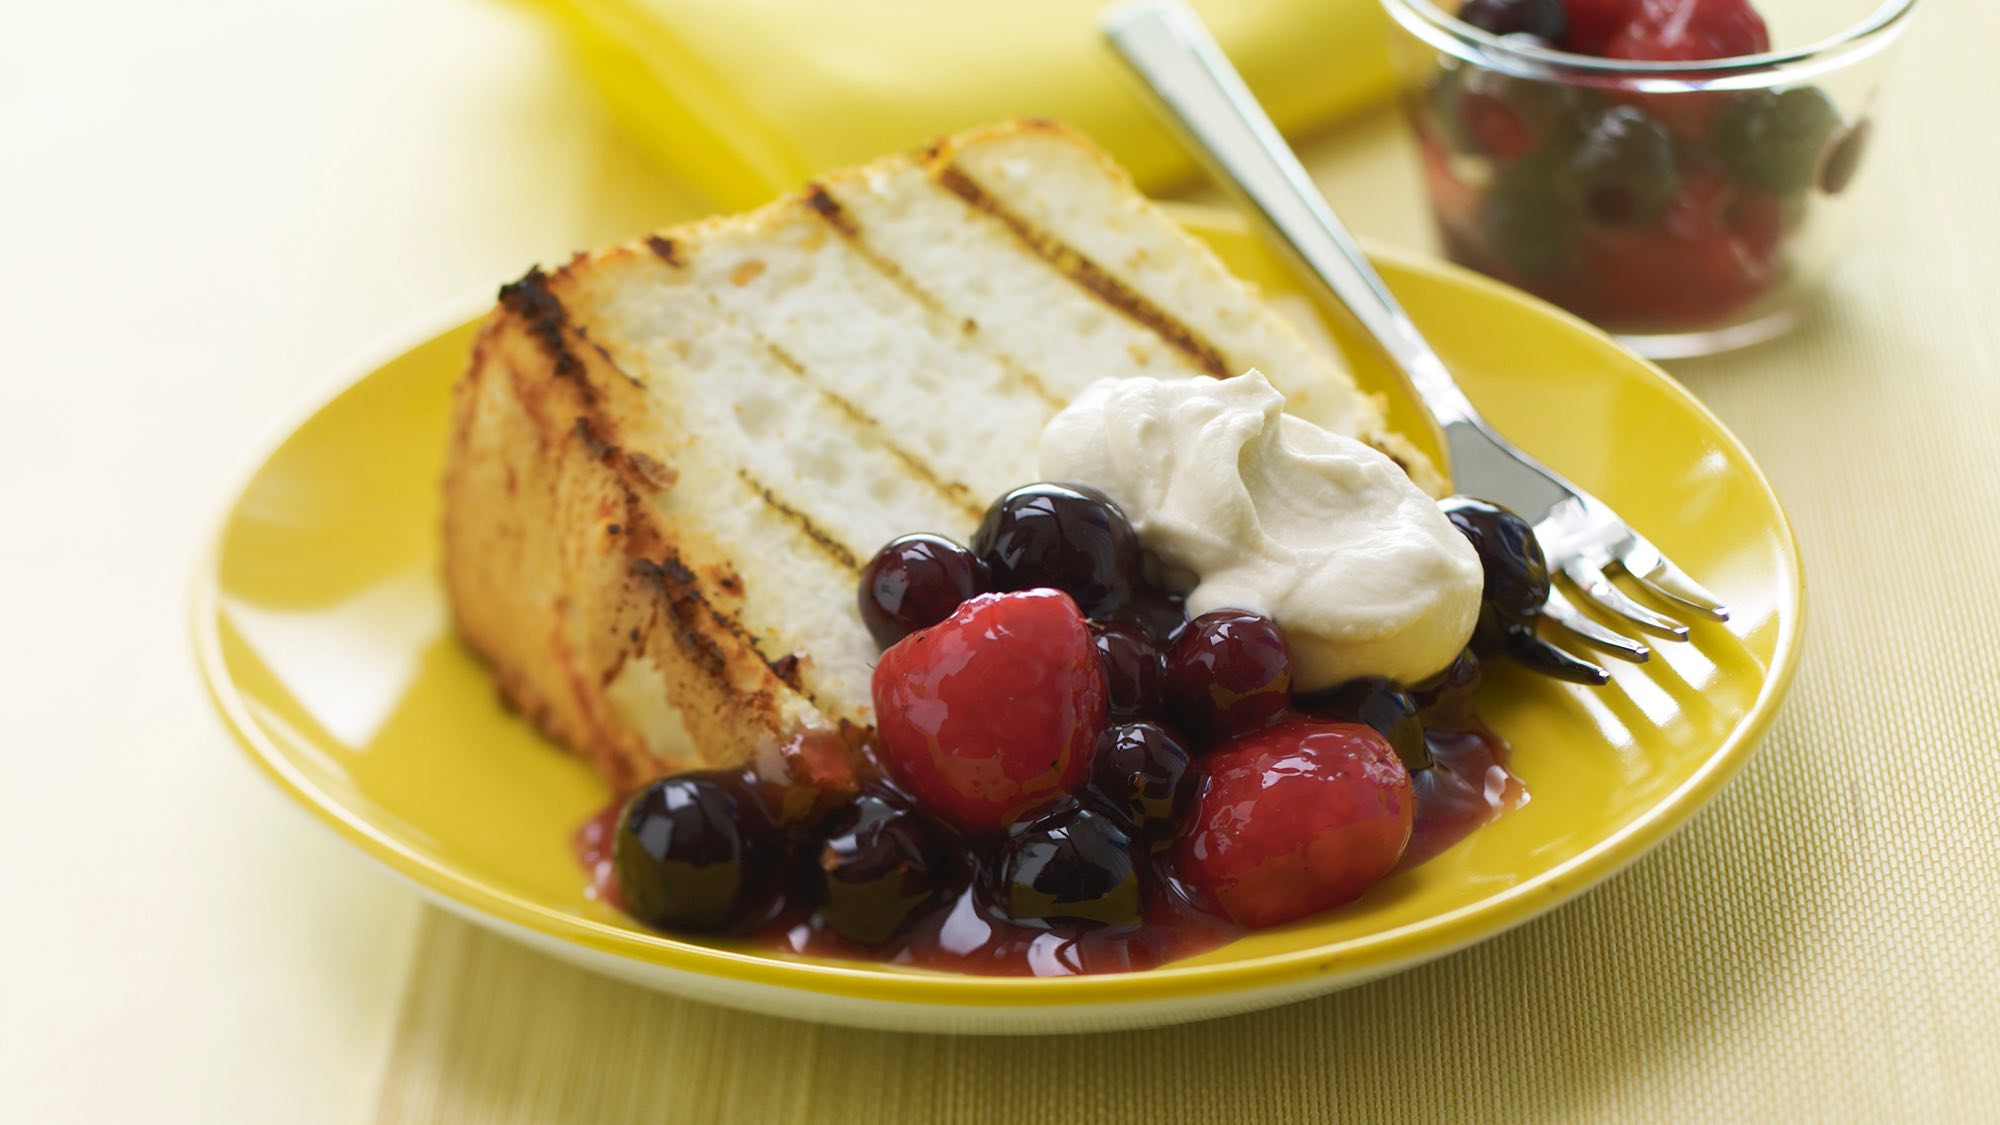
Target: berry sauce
[594, 842]
[965, 934]
[1467, 785]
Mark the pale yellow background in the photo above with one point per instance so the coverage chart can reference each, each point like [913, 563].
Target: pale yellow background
[205, 207]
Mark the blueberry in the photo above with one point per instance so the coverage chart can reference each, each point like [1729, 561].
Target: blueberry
[1553, 114]
[1543, 19]
[875, 862]
[1844, 159]
[1382, 704]
[1438, 106]
[696, 852]
[1132, 669]
[1623, 171]
[1228, 672]
[1526, 223]
[1072, 865]
[1450, 692]
[1068, 537]
[1158, 614]
[1774, 140]
[915, 582]
[1141, 770]
[1516, 573]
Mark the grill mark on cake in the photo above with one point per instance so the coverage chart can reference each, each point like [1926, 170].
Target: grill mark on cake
[656, 475]
[827, 207]
[685, 606]
[549, 323]
[618, 663]
[823, 204]
[665, 249]
[952, 491]
[1035, 386]
[1383, 450]
[586, 432]
[583, 333]
[831, 547]
[687, 603]
[543, 313]
[786, 668]
[1085, 272]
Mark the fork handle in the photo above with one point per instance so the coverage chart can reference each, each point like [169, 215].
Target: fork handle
[1176, 59]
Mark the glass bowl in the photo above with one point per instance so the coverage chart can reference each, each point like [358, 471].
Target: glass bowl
[1687, 207]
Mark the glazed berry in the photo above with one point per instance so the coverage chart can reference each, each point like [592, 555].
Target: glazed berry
[1760, 219]
[1496, 128]
[1294, 819]
[1066, 537]
[1592, 23]
[1543, 19]
[1689, 268]
[1449, 693]
[1072, 865]
[1624, 170]
[1141, 770]
[1440, 96]
[1383, 706]
[1517, 575]
[1528, 226]
[1156, 613]
[1774, 141]
[1689, 30]
[1844, 159]
[696, 852]
[1132, 669]
[1228, 672]
[992, 711]
[914, 583]
[875, 862]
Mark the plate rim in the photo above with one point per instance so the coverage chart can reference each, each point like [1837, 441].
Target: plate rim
[1327, 967]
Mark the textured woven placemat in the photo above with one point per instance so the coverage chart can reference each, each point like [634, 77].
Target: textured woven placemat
[1822, 943]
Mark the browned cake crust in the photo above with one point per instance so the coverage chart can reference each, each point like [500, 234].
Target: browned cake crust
[608, 549]
[558, 570]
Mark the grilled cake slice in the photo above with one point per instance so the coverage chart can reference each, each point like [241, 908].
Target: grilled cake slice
[671, 458]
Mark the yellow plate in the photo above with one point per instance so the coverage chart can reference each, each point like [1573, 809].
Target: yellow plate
[322, 631]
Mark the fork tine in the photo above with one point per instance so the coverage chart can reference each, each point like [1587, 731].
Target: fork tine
[1536, 654]
[1654, 571]
[1563, 612]
[1594, 585]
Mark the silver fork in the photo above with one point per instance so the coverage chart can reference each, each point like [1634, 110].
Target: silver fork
[1175, 58]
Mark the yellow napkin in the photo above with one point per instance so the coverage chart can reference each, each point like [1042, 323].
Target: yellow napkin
[745, 99]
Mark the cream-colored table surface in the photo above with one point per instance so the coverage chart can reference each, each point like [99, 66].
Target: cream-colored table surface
[205, 207]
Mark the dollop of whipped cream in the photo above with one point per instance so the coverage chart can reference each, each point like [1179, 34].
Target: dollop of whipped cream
[1267, 512]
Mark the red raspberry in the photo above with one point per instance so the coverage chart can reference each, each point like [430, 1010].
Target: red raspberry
[1456, 203]
[1294, 819]
[994, 710]
[1592, 23]
[1760, 223]
[1690, 268]
[1495, 128]
[1690, 30]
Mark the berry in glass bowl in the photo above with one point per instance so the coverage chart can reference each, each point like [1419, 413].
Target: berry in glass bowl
[1669, 169]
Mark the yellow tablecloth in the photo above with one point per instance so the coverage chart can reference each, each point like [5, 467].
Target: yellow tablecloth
[206, 206]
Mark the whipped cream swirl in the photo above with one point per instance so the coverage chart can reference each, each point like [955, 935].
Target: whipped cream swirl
[1256, 509]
